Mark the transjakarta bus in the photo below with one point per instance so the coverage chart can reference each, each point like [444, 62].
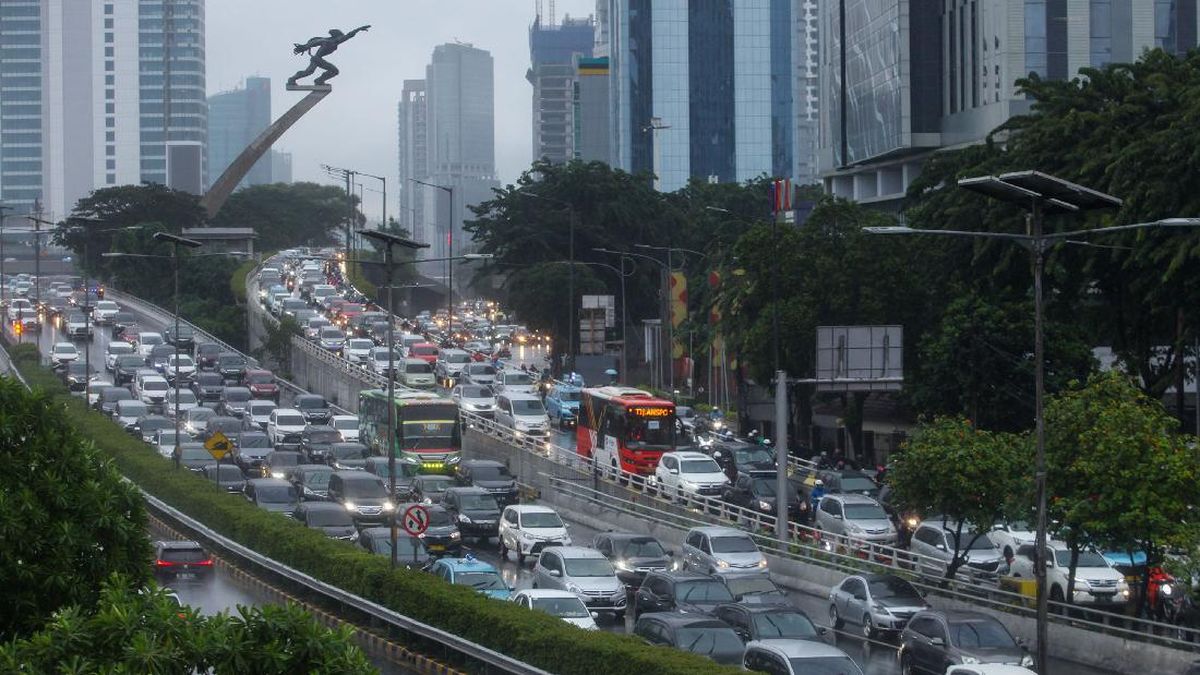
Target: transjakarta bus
[620, 426]
[427, 431]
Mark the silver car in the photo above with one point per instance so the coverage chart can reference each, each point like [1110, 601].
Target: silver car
[584, 572]
[877, 603]
[721, 550]
[934, 541]
[855, 517]
[475, 398]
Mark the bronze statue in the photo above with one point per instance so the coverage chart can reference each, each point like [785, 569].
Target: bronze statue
[324, 46]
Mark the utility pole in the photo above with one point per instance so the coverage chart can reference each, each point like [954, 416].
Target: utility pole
[3, 214]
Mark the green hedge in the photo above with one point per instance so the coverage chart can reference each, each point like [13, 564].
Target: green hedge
[535, 638]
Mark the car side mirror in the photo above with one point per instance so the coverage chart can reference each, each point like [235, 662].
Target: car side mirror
[822, 630]
[941, 547]
[670, 552]
[1022, 642]
[673, 472]
[859, 596]
[837, 516]
[937, 642]
[595, 615]
[555, 573]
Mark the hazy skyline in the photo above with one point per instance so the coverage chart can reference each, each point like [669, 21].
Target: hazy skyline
[355, 126]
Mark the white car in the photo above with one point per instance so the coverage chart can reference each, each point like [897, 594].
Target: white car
[115, 349]
[259, 411]
[164, 441]
[514, 381]
[187, 401]
[346, 425]
[416, 373]
[285, 424]
[1011, 536]
[1096, 582]
[147, 341]
[104, 311]
[562, 604]
[378, 360]
[152, 390]
[357, 350]
[63, 353]
[689, 475]
[15, 305]
[180, 365]
[526, 529]
[95, 384]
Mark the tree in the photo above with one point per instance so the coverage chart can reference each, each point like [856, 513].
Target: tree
[67, 519]
[965, 476]
[284, 215]
[538, 294]
[144, 631]
[277, 344]
[1119, 475]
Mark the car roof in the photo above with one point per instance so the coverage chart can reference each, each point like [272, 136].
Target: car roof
[465, 565]
[268, 482]
[577, 552]
[531, 508]
[956, 615]
[689, 454]
[468, 490]
[765, 608]
[320, 506]
[852, 498]
[684, 575]
[715, 530]
[180, 545]
[288, 410]
[681, 619]
[627, 536]
[545, 593]
[792, 649]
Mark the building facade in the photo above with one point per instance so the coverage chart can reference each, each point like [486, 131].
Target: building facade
[552, 54]
[703, 90]
[590, 110]
[905, 78]
[235, 119]
[96, 94]
[412, 114]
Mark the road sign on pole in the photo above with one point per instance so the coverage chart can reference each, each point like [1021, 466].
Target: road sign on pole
[218, 445]
[416, 520]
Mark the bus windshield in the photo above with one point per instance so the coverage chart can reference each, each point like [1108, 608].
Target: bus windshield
[645, 427]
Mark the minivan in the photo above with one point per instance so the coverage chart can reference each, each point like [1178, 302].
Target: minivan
[362, 494]
[523, 413]
[417, 373]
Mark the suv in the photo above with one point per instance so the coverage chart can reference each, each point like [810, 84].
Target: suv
[78, 327]
[231, 366]
[208, 387]
[523, 413]
[284, 426]
[314, 408]
[633, 555]
[152, 390]
[234, 401]
[416, 373]
[1096, 582]
[934, 640]
[686, 476]
[678, 591]
[562, 404]
[855, 517]
[527, 529]
[491, 476]
[721, 550]
[584, 572]
[315, 441]
[172, 558]
[699, 635]
[449, 364]
[362, 494]
[933, 540]
[185, 338]
[475, 510]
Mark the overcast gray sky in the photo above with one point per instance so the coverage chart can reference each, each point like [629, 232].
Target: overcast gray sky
[355, 127]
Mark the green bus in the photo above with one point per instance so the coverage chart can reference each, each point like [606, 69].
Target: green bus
[427, 429]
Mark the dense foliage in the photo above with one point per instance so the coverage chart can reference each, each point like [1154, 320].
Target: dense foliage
[284, 215]
[67, 520]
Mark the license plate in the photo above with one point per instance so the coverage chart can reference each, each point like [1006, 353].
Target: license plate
[436, 547]
[1104, 598]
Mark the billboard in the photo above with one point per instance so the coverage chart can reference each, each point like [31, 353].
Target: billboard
[860, 358]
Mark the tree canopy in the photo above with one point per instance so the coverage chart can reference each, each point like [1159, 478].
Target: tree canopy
[284, 215]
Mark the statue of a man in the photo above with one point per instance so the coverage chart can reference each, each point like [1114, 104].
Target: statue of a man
[324, 46]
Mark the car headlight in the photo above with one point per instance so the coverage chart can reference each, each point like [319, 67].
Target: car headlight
[622, 565]
[1027, 661]
[573, 588]
[350, 506]
[969, 660]
[455, 535]
[762, 563]
[722, 564]
[765, 506]
[279, 474]
[463, 518]
[388, 506]
[687, 484]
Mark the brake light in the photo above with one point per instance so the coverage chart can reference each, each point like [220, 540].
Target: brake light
[204, 563]
[163, 563]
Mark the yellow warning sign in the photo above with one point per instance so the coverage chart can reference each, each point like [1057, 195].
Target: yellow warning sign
[218, 445]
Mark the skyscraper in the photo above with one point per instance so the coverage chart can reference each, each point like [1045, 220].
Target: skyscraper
[412, 114]
[702, 90]
[235, 119]
[552, 53]
[85, 100]
[902, 79]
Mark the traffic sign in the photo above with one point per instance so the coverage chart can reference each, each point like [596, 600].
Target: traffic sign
[218, 445]
[416, 519]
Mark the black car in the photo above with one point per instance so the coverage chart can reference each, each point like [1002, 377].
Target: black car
[757, 493]
[405, 472]
[124, 323]
[159, 355]
[489, 475]
[475, 510]
[315, 408]
[208, 386]
[185, 337]
[252, 440]
[347, 455]
[127, 367]
[849, 482]
[192, 456]
[231, 366]
[934, 640]
[738, 457]
[410, 551]
[316, 440]
[671, 591]
[442, 536]
[271, 494]
[769, 622]
[429, 487]
[756, 589]
[696, 634]
[207, 354]
[632, 555]
[76, 376]
[312, 480]
[180, 558]
[278, 462]
[227, 476]
[333, 520]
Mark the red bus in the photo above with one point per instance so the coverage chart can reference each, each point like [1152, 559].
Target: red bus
[625, 427]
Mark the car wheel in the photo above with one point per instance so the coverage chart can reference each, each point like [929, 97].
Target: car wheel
[520, 558]
[503, 550]
[619, 617]
[906, 666]
[868, 628]
[834, 619]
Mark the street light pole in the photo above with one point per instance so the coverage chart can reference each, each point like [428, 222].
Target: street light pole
[3, 214]
[449, 190]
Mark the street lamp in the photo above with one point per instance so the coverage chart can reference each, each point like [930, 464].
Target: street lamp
[666, 267]
[572, 217]
[1039, 193]
[3, 214]
[449, 190]
[389, 241]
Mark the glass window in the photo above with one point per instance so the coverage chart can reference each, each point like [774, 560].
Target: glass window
[565, 608]
[784, 624]
[975, 634]
[702, 591]
[538, 519]
[865, 512]
[589, 567]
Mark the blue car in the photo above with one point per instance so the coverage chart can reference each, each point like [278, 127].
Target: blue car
[471, 572]
[562, 404]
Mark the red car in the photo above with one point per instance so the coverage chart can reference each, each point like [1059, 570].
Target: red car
[425, 351]
[261, 384]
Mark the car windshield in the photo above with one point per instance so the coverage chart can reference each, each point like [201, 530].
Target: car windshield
[762, 487]
[119, 348]
[182, 360]
[194, 453]
[644, 431]
[750, 585]
[530, 406]
[512, 379]
[150, 339]
[457, 358]
[424, 350]
[709, 640]
[481, 369]
[481, 580]
[347, 451]
[753, 455]
[564, 608]
[382, 356]
[247, 441]
[65, 349]
[131, 361]
[703, 591]
[209, 379]
[415, 430]
[345, 424]
[589, 567]
[733, 544]
[361, 344]
[979, 543]
[865, 512]
[131, 408]
[825, 665]
[315, 478]
[569, 395]
[436, 484]
[329, 333]
[540, 519]
[311, 403]
[232, 361]
[476, 392]
[415, 368]
[283, 459]
[275, 494]
[289, 421]
[787, 624]
[225, 472]
[260, 378]
[261, 408]
[200, 414]
[699, 466]
[1086, 559]
[858, 484]
[237, 395]
[893, 587]
[153, 385]
[330, 518]
[477, 502]
[490, 473]
[323, 435]
[185, 395]
[643, 548]
[406, 547]
[971, 634]
[359, 489]
[183, 555]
